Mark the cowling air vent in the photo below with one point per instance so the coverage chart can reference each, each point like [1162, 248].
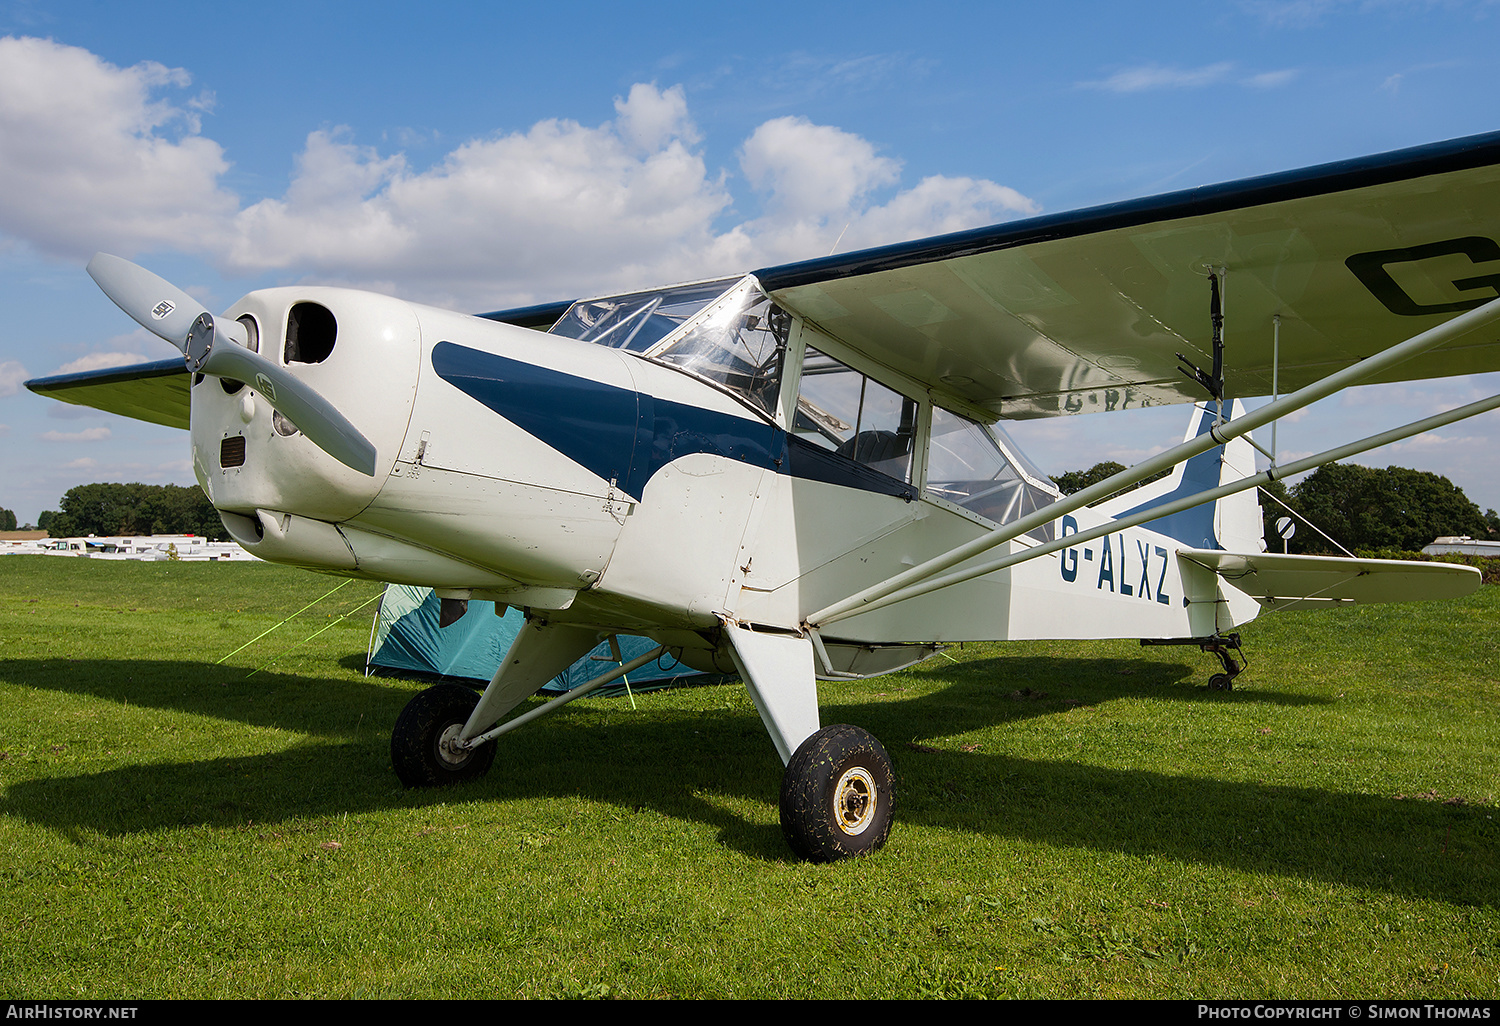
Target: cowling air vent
[311, 330]
[232, 452]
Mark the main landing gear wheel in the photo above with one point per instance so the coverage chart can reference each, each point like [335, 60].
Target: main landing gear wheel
[422, 743]
[837, 795]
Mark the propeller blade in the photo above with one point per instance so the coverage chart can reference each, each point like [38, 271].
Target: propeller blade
[315, 416]
[153, 302]
[218, 350]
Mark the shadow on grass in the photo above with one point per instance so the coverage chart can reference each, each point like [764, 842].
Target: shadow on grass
[969, 695]
[262, 698]
[678, 762]
[1082, 681]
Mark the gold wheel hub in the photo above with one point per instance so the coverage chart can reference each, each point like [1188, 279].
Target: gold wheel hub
[854, 800]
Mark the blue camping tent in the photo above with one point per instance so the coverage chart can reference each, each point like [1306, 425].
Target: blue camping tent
[406, 638]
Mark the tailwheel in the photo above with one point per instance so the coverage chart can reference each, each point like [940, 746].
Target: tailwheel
[424, 748]
[837, 795]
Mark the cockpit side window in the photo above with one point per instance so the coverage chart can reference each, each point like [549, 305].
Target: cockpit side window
[637, 320]
[726, 330]
[738, 342]
[856, 416]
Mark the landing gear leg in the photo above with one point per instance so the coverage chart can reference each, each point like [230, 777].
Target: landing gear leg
[838, 788]
[1221, 647]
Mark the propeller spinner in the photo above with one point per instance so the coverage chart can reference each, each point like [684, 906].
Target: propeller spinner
[217, 349]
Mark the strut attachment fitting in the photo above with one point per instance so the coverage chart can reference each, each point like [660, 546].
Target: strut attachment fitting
[1214, 383]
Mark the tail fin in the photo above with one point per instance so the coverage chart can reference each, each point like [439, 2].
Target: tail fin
[1233, 523]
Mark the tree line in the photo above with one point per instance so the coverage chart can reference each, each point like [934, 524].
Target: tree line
[118, 509]
[1361, 507]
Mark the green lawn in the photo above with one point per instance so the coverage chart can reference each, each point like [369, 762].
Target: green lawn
[1073, 819]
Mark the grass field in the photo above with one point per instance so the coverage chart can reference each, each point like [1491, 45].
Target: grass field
[1073, 819]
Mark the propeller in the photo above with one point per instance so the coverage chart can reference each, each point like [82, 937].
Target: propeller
[217, 349]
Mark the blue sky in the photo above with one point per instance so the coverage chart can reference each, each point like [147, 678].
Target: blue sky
[480, 156]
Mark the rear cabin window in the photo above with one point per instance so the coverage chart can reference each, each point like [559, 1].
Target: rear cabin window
[972, 466]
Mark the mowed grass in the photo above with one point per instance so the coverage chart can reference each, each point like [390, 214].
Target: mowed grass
[1073, 820]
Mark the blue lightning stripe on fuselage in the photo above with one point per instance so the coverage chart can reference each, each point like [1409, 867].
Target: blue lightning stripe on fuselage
[1194, 527]
[626, 436]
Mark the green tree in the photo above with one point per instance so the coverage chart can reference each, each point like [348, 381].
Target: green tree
[1078, 480]
[111, 509]
[7, 520]
[1369, 508]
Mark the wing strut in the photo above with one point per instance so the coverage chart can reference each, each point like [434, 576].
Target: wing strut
[921, 579]
[1166, 509]
[563, 699]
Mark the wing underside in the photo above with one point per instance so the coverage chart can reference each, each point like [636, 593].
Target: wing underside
[1285, 582]
[1085, 312]
[156, 392]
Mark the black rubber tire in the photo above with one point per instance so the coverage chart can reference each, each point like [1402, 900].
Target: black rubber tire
[1221, 682]
[837, 795]
[415, 751]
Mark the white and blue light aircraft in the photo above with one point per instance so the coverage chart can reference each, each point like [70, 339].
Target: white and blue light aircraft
[800, 472]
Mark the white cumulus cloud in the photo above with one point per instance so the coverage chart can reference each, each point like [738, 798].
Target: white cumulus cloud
[94, 159]
[12, 374]
[94, 434]
[818, 181]
[813, 170]
[98, 361]
[101, 157]
[627, 201]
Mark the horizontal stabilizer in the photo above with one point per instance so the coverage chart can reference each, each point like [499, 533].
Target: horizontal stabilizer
[1283, 582]
[156, 392]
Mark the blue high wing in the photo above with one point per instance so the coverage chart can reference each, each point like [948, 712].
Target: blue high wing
[1087, 311]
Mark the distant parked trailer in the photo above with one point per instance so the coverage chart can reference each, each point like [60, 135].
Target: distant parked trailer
[144, 548]
[1463, 545]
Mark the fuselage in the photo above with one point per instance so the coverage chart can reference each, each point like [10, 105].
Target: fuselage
[662, 487]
